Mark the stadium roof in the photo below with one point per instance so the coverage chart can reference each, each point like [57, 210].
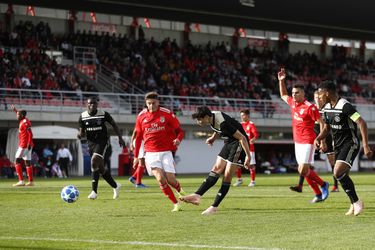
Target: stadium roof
[337, 18]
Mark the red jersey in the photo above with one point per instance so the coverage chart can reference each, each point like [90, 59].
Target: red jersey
[251, 132]
[25, 134]
[304, 115]
[155, 129]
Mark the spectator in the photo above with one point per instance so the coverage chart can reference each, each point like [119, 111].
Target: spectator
[64, 157]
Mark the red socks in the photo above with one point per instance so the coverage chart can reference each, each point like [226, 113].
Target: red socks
[239, 173]
[29, 171]
[314, 177]
[252, 174]
[139, 174]
[313, 186]
[176, 186]
[168, 192]
[19, 171]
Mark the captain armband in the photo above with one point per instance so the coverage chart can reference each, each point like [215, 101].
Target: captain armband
[354, 117]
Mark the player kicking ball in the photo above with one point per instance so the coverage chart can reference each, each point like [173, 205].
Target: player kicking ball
[235, 153]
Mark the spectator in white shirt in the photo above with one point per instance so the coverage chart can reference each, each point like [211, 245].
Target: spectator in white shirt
[64, 157]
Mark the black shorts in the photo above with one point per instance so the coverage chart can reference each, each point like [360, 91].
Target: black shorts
[233, 152]
[347, 153]
[98, 148]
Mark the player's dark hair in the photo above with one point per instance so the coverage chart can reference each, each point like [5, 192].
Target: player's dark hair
[151, 95]
[328, 85]
[299, 86]
[22, 112]
[245, 111]
[201, 112]
[93, 98]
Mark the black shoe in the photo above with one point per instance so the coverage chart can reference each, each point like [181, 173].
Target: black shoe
[297, 189]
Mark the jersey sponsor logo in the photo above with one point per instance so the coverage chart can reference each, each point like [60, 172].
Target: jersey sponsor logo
[337, 118]
[155, 128]
[94, 129]
[336, 126]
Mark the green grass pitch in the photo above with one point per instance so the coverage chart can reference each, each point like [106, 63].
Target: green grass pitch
[268, 216]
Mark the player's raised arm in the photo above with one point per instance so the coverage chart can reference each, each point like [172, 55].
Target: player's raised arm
[283, 91]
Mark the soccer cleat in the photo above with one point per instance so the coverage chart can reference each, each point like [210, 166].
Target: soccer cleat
[176, 207]
[335, 189]
[351, 210]
[181, 193]
[116, 191]
[358, 207]
[191, 198]
[92, 195]
[252, 184]
[141, 185]
[325, 191]
[209, 211]
[132, 180]
[297, 189]
[238, 183]
[19, 184]
[317, 198]
[30, 183]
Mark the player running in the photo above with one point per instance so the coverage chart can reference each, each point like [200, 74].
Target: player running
[342, 118]
[155, 125]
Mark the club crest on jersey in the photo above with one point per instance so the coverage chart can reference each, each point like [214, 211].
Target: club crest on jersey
[337, 118]
[301, 111]
[98, 122]
[162, 119]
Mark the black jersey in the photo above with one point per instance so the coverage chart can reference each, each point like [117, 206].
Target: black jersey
[342, 119]
[226, 126]
[94, 125]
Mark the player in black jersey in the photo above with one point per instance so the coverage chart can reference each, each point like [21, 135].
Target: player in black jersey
[328, 151]
[235, 153]
[342, 118]
[92, 126]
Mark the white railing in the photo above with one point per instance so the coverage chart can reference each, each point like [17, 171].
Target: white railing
[68, 101]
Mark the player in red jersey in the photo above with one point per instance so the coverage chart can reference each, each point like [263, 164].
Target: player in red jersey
[304, 115]
[25, 147]
[154, 125]
[252, 134]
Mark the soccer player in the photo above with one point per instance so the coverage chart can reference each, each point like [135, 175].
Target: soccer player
[92, 126]
[154, 126]
[328, 151]
[252, 134]
[136, 178]
[25, 147]
[342, 118]
[304, 115]
[235, 153]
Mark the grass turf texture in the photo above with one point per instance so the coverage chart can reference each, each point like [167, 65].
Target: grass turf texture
[269, 216]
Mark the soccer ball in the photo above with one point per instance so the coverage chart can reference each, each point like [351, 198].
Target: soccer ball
[69, 194]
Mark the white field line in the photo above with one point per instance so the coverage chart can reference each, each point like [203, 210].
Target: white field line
[139, 243]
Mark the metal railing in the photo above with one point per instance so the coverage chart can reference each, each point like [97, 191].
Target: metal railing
[121, 103]
[115, 82]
